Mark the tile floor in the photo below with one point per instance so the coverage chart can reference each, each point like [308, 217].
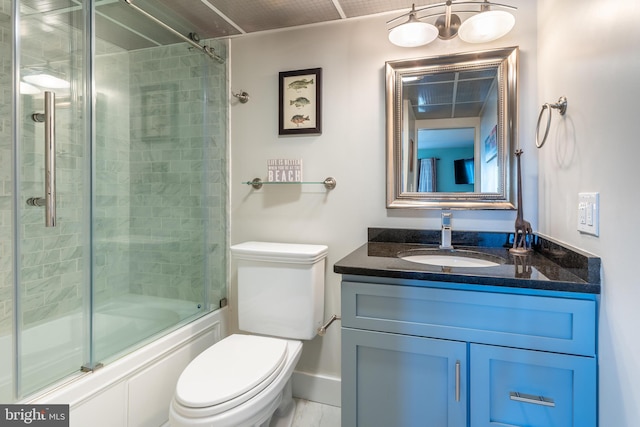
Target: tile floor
[312, 414]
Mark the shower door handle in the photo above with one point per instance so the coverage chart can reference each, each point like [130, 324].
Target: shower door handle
[49, 119]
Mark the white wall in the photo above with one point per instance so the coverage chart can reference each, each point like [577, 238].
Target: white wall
[351, 148]
[588, 52]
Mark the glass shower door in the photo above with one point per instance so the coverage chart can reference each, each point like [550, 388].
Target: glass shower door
[151, 249]
[6, 211]
[51, 153]
[128, 125]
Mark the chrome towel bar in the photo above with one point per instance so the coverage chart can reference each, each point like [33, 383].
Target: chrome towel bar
[257, 183]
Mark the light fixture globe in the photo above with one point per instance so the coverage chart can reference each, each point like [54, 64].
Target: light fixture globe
[47, 81]
[27, 89]
[486, 26]
[413, 33]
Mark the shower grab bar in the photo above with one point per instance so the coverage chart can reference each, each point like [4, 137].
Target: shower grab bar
[205, 49]
[49, 120]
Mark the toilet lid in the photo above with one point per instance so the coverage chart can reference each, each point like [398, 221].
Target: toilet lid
[234, 366]
[294, 253]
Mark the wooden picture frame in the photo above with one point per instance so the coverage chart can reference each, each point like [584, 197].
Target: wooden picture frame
[300, 102]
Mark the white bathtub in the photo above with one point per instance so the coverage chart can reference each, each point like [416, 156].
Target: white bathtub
[55, 349]
[134, 390]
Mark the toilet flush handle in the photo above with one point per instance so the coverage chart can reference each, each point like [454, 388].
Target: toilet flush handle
[323, 329]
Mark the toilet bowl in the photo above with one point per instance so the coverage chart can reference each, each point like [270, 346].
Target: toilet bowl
[245, 380]
[239, 382]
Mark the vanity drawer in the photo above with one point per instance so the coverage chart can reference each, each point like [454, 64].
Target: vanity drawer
[514, 387]
[554, 324]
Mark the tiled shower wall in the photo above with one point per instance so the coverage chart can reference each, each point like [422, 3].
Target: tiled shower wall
[52, 267]
[160, 145]
[6, 181]
[112, 187]
[160, 129]
[177, 163]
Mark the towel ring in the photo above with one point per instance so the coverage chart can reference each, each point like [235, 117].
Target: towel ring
[561, 106]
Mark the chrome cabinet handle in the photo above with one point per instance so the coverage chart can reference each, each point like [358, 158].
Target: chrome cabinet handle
[457, 381]
[49, 119]
[529, 398]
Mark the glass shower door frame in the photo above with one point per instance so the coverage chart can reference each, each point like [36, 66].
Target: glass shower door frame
[47, 256]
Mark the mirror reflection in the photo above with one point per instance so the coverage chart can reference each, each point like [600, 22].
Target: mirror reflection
[454, 112]
[450, 126]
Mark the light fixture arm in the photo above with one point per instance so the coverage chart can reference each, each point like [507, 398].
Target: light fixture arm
[447, 14]
[484, 6]
[411, 12]
[448, 23]
[482, 26]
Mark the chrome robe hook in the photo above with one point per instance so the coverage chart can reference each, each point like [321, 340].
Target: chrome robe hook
[243, 96]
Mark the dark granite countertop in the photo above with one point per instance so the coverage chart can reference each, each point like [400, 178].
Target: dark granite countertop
[550, 266]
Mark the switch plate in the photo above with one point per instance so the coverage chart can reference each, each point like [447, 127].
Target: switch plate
[589, 213]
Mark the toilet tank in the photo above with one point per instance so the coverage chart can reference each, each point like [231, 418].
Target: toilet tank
[280, 288]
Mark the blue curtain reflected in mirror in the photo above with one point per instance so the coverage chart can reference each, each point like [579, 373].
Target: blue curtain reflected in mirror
[427, 181]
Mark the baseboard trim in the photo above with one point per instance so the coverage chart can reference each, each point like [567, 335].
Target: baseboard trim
[317, 388]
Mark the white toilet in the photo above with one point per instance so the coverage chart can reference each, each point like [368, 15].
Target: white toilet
[245, 380]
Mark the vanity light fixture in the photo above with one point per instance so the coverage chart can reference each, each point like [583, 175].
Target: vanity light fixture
[484, 25]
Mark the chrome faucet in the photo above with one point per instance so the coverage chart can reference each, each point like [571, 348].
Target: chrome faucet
[446, 230]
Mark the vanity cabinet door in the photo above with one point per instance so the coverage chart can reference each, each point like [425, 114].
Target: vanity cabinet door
[524, 388]
[393, 380]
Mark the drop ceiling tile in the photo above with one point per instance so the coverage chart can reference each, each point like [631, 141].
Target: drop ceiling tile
[261, 15]
[353, 8]
[473, 90]
[189, 16]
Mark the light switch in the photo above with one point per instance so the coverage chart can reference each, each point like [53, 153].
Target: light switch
[588, 213]
[582, 214]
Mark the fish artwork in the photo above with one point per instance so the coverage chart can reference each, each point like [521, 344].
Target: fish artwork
[300, 102]
[300, 84]
[298, 119]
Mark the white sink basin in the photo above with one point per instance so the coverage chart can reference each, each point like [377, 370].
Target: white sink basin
[454, 258]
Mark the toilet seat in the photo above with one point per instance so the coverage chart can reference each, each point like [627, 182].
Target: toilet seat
[229, 374]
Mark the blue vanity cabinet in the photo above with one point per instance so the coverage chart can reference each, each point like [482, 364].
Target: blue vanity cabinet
[515, 387]
[418, 353]
[404, 381]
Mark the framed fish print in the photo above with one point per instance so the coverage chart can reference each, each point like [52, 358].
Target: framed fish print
[300, 110]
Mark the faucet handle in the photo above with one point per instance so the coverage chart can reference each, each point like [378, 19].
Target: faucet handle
[446, 220]
[446, 217]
